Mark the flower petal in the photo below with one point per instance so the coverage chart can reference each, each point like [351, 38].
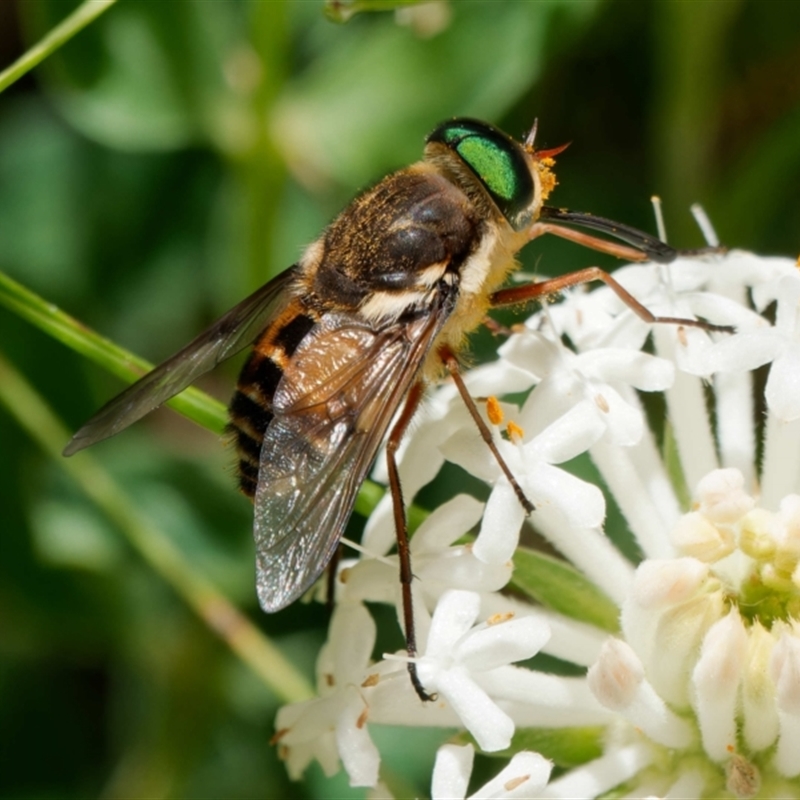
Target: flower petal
[357, 750]
[482, 717]
[580, 502]
[454, 616]
[743, 351]
[783, 385]
[523, 777]
[531, 352]
[451, 772]
[466, 449]
[570, 435]
[641, 370]
[502, 520]
[447, 523]
[502, 643]
[351, 638]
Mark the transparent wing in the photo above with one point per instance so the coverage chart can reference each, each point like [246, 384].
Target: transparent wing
[331, 413]
[227, 336]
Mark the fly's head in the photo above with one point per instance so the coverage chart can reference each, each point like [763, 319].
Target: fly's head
[507, 180]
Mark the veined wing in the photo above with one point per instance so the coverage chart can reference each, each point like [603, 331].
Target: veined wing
[227, 336]
[332, 410]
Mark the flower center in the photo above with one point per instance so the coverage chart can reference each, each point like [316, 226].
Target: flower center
[716, 631]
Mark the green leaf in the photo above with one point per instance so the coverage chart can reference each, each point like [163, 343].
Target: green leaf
[392, 86]
[561, 587]
[566, 747]
[149, 76]
[68, 535]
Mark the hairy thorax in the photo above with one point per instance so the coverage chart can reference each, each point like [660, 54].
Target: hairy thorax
[401, 243]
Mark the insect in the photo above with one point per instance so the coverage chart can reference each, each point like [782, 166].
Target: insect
[377, 307]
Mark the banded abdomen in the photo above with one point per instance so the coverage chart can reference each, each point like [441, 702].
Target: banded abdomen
[251, 407]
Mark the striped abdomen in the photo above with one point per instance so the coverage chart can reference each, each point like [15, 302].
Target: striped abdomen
[251, 407]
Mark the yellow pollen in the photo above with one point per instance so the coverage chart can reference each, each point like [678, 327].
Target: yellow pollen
[515, 432]
[601, 403]
[496, 619]
[371, 680]
[362, 719]
[493, 410]
[514, 782]
[546, 176]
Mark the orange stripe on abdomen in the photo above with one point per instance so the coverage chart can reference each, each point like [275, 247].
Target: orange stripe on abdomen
[250, 410]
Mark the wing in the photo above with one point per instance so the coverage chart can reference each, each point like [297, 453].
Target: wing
[332, 410]
[227, 336]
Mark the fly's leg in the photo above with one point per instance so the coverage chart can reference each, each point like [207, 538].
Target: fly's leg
[534, 291]
[640, 247]
[401, 531]
[643, 246]
[451, 363]
[330, 589]
[400, 522]
[497, 329]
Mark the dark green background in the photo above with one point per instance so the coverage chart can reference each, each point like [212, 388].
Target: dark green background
[172, 158]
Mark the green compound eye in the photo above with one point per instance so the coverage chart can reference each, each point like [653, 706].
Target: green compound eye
[497, 161]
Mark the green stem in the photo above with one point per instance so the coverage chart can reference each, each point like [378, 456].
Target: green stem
[202, 596]
[85, 13]
[192, 403]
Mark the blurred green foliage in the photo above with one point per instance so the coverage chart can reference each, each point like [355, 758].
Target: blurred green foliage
[174, 156]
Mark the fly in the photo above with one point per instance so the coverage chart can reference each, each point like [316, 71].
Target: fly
[379, 306]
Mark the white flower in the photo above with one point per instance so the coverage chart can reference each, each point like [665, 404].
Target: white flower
[696, 694]
[779, 345]
[726, 616]
[594, 382]
[524, 777]
[439, 563]
[458, 656]
[556, 494]
[334, 724]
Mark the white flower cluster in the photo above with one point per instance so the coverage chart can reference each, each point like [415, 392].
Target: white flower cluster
[699, 691]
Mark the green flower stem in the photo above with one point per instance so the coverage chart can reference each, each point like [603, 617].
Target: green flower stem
[205, 599]
[62, 33]
[192, 403]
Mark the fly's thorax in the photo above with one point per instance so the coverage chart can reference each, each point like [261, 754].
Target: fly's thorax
[390, 250]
